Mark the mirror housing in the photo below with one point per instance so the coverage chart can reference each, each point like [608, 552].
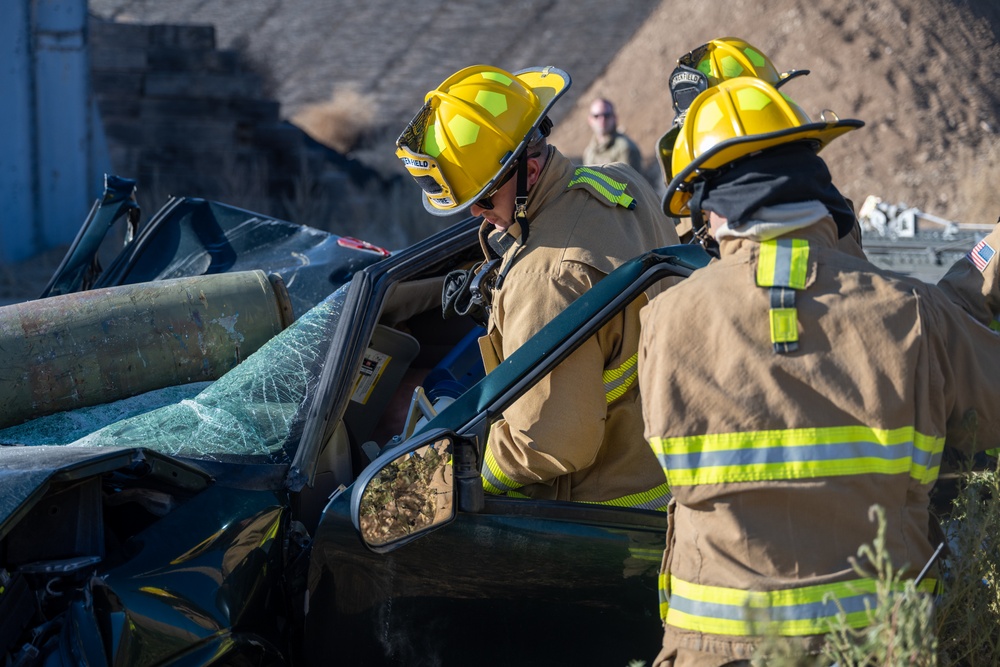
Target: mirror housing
[409, 491]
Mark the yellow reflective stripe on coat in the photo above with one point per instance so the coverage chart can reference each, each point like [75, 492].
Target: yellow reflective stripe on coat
[783, 266]
[808, 610]
[495, 480]
[497, 483]
[807, 453]
[663, 590]
[619, 380]
[602, 184]
[783, 263]
[655, 499]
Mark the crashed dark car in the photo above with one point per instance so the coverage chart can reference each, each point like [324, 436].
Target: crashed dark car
[321, 501]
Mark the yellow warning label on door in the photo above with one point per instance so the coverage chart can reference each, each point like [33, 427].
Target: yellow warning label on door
[371, 370]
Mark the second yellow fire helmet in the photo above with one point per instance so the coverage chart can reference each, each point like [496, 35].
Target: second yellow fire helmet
[709, 65]
[473, 128]
[731, 121]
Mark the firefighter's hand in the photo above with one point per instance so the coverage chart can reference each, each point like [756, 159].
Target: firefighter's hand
[456, 297]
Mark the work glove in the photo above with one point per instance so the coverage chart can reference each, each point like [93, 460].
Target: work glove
[457, 299]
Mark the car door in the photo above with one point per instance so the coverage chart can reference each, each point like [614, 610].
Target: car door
[519, 582]
[505, 580]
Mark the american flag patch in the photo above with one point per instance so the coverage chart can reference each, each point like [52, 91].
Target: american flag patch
[981, 255]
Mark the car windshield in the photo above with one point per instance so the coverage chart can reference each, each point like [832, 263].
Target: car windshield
[255, 410]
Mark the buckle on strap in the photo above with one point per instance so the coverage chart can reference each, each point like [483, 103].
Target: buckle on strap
[484, 282]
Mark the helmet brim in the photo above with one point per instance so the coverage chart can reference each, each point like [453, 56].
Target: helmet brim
[549, 84]
[676, 198]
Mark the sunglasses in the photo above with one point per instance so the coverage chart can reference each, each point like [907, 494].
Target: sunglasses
[486, 202]
[606, 114]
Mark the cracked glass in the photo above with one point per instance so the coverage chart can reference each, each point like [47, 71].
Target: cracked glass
[255, 410]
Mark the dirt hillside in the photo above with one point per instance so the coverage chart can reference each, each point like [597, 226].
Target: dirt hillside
[921, 74]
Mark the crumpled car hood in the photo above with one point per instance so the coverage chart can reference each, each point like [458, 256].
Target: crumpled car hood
[25, 472]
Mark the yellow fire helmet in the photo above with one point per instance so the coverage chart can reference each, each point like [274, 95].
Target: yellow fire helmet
[730, 57]
[733, 120]
[472, 129]
[709, 65]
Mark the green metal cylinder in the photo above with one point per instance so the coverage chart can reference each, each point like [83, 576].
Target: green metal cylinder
[88, 348]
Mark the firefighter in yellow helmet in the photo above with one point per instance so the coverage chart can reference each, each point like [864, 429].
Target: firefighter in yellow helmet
[730, 57]
[550, 231]
[708, 65]
[788, 387]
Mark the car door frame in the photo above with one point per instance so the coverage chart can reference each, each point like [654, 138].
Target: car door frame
[503, 564]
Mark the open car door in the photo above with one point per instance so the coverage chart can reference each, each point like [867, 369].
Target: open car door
[450, 576]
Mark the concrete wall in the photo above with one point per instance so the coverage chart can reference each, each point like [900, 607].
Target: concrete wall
[183, 117]
[168, 109]
[50, 150]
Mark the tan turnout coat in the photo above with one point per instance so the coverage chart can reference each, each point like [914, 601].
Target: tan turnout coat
[876, 351]
[562, 439]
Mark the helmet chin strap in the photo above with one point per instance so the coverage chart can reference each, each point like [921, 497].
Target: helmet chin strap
[702, 231]
[520, 215]
[694, 205]
[521, 197]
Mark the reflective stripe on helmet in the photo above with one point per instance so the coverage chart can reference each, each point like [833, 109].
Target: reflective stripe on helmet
[793, 454]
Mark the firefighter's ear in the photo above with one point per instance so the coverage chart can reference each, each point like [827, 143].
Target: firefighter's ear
[534, 170]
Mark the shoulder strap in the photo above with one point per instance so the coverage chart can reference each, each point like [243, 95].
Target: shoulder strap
[601, 186]
[783, 267]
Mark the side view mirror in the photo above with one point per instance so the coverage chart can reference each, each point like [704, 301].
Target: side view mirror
[407, 492]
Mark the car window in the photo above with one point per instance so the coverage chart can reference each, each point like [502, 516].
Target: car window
[254, 410]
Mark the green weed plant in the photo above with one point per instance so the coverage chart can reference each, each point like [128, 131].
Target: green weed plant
[958, 627]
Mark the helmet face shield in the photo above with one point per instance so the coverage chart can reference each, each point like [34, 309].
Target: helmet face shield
[425, 170]
[695, 57]
[427, 173]
[665, 151]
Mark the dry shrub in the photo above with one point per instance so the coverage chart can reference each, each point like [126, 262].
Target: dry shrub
[961, 626]
[968, 613]
[343, 121]
[900, 630]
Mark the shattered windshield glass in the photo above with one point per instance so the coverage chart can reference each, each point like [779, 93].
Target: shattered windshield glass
[256, 409]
